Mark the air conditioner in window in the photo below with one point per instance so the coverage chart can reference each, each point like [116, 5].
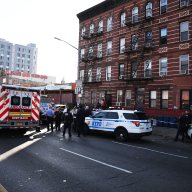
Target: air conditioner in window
[184, 3]
[163, 73]
[122, 50]
[184, 71]
[121, 76]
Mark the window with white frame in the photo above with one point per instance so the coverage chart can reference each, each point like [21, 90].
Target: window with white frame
[100, 26]
[122, 45]
[163, 66]
[109, 24]
[153, 99]
[135, 15]
[99, 50]
[81, 75]
[148, 10]
[164, 99]
[163, 6]
[123, 17]
[89, 75]
[91, 28]
[93, 97]
[98, 74]
[83, 32]
[184, 64]
[184, 31]
[109, 48]
[119, 96]
[121, 71]
[101, 96]
[87, 97]
[108, 73]
[82, 54]
[163, 35]
[148, 68]
[134, 42]
[128, 98]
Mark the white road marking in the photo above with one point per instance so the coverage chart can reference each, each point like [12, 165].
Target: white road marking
[97, 161]
[144, 148]
[17, 149]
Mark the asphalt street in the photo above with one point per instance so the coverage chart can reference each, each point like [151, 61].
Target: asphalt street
[46, 162]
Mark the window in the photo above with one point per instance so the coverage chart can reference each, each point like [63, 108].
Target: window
[184, 3]
[99, 50]
[184, 31]
[153, 99]
[91, 29]
[128, 98]
[98, 74]
[109, 48]
[26, 101]
[108, 73]
[163, 6]
[134, 65]
[163, 36]
[122, 45]
[93, 97]
[121, 71]
[148, 10]
[185, 98]
[90, 52]
[15, 100]
[135, 15]
[184, 64]
[123, 16]
[119, 96]
[134, 42]
[83, 32]
[89, 75]
[112, 115]
[148, 68]
[109, 24]
[100, 26]
[81, 75]
[164, 99]
[163, 66]
[82, 54]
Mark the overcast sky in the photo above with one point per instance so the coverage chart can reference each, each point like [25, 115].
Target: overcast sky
[39, 21]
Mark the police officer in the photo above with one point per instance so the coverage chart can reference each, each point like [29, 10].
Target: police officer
[68, 119]
[80, 119]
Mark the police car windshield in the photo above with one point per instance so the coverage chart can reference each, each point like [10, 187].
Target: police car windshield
[135, 116]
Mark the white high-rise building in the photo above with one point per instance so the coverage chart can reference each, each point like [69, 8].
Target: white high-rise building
[17, 57]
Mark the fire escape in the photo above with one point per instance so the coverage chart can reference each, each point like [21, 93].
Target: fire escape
[91, 55]
[139, 50]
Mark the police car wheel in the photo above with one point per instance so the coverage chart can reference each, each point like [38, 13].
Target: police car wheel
[121, 135]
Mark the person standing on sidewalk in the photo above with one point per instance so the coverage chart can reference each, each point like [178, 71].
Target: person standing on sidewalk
[80, 120]
[58, 114]
[68, 119]
[184, 123]
[50, 118]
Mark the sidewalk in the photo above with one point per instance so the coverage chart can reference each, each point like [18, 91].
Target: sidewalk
[165, 132]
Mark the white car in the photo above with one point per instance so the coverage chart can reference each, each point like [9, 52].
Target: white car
[122, 123]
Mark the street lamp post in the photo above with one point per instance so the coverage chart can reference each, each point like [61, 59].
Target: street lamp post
[66, 42]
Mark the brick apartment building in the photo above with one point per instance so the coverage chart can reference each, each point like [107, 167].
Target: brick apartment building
[137, 54]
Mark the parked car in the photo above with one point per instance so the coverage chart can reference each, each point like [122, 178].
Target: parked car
[190, 132]
[123, 123]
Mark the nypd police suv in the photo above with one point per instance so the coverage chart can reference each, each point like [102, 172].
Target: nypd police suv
[122, 123]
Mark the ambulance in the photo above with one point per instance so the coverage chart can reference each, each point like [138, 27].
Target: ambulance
[19, 107]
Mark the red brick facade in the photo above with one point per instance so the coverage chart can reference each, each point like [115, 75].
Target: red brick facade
[156, 72]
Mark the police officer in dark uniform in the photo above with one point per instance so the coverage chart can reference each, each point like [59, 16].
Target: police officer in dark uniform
[68, 119]
[80, 120]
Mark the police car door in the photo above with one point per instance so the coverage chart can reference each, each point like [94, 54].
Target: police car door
[111, 121]
[97, 121]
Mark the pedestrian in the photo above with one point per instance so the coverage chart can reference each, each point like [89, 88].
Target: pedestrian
[50, 118]
[103, 104]
[184, 124]
[80, 120]
[68, 119]
[98, 106]
[58, 115]
[87, 111]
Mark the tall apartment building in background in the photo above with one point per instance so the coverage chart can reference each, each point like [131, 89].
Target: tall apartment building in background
[137, 55]
[17, 57]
